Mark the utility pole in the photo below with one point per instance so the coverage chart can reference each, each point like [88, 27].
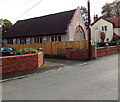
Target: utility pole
[89, 31]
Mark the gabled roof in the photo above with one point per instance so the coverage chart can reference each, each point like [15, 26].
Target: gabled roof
[46, 25]
[103, 19]
[114, 20]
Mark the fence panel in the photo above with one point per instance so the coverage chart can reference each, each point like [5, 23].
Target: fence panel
[61, 48]
[53, 48]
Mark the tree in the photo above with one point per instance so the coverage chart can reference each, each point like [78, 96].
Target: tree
[5, 24]
[84, 13]
[116, 8]
[111, 9]
[107, 10]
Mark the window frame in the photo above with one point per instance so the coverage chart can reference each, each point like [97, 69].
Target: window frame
[56, 38]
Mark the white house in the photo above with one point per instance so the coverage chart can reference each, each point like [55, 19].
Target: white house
[63, 26]
[109, 26]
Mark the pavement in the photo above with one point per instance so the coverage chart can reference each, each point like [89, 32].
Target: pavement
[91, 80]
[49, 64]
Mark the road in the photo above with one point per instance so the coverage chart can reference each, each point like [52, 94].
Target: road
[94, 80]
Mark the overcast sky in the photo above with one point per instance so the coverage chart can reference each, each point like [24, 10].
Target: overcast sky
[12, 9]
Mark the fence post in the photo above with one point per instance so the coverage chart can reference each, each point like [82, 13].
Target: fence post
[93, 51]
[41, 50]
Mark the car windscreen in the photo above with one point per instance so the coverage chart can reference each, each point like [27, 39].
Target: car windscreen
[8, 49]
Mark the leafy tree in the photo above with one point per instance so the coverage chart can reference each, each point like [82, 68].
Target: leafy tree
[84, 13]
[107, 10]
[5, 24]
[116, 8]
[111, 9]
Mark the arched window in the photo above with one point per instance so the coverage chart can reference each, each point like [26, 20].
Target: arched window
[79, 33]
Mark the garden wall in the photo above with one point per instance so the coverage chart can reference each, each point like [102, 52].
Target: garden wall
[107, 50]
[21, 62]
[76, 54]
[83, 54]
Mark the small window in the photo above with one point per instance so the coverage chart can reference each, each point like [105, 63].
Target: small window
[59, 38]
[56, 38]
[52, 38]
[22, 41]
[38, 39]
[10, 41]
[104, 28]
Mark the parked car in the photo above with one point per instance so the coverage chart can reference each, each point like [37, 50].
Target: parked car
[7, 51]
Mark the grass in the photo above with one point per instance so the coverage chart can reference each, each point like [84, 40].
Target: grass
[44, 65]
[53, 60]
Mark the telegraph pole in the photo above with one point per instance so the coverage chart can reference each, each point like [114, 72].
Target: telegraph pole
[89, 31]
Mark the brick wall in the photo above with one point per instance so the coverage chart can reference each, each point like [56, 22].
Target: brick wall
[76, 54]
[21, 62]
[83, 54]
[106, 51]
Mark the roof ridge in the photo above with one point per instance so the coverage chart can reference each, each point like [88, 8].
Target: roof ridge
[38, 26]
[47, 15]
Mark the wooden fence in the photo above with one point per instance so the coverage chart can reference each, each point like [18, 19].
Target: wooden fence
[53, 48]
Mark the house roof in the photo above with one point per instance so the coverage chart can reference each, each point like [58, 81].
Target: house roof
[114, 20]
[46, 25]
[103, 19]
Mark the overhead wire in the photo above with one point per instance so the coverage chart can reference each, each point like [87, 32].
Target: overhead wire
[28, 9]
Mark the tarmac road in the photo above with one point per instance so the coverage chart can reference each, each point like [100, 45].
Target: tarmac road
[94, 80]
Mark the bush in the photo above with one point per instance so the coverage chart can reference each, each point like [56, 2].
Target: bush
[102, 44]
[27, 51]
[112, 43]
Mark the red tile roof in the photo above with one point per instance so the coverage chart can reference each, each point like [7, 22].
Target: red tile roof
[115, 20]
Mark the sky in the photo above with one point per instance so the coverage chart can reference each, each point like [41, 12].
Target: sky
[14, 10]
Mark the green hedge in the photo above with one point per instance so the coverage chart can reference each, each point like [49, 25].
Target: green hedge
[27, 51]
[102, 44]
[112, 43]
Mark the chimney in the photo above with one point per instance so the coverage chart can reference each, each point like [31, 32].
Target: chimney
[95, 17]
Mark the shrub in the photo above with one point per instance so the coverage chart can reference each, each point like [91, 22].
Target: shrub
[102, 44]
[27, 51]
[112, 43]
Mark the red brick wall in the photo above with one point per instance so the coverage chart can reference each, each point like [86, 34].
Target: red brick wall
[76, 54]
[106, 51]
[83, 54]
[21, 62]
[101, 52]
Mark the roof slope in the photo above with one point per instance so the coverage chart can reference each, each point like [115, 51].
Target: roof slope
[115, 20]
[45, 25]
